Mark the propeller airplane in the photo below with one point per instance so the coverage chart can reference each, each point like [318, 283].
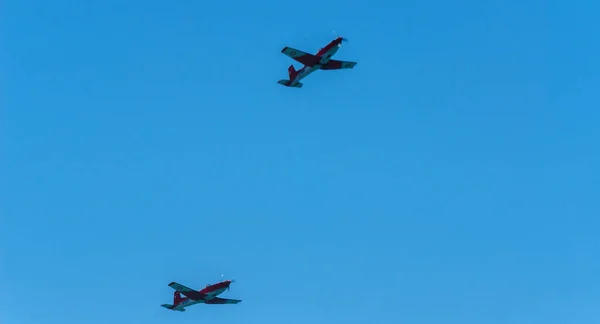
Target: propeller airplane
[321, 61]
[208, 295]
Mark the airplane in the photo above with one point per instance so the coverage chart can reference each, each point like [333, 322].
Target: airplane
[321, 61]
[208, 295]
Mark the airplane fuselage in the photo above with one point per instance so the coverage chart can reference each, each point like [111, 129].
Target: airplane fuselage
[210, 292]
[325, 54]
[186, 302]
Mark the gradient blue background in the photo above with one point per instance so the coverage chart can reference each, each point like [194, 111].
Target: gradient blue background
[451, 177]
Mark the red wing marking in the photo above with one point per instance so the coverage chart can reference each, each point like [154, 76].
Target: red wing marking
[336, 65]
[195, 295]
[300, 56]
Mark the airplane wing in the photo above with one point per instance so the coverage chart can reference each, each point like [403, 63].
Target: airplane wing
[186, 291]
[300, 56]
[181, 288]
[336, 65]
[218, 300]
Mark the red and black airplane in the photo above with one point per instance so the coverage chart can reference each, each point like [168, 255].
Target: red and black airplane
[208, 295]
[321, 61]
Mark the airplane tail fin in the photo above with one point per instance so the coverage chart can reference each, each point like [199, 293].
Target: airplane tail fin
[292, 72]
[176, 297]
[287, 83]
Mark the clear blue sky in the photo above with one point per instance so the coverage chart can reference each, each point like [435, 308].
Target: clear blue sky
[451, 177]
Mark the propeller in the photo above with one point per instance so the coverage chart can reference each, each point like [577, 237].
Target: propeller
[336, 35]
[231, 281]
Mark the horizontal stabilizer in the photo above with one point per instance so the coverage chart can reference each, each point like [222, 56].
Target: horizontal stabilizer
[287, 84]
[169, 306]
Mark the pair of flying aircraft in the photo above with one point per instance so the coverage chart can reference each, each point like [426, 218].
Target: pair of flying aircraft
[208, 295]
[320, 61]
